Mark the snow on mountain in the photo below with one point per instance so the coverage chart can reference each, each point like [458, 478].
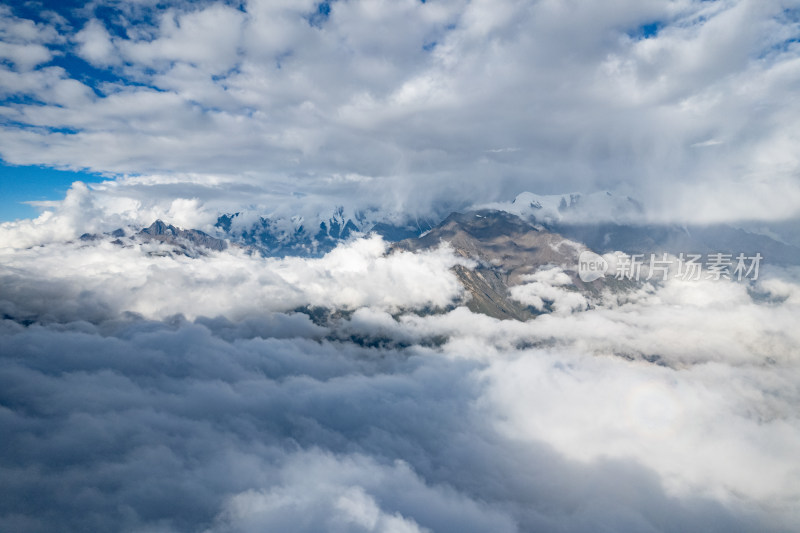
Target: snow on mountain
[278, 234]
[315, 232]
[572, 208]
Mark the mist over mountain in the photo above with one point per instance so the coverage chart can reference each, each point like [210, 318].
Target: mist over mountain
[462, 378]
[408, 266]
[607, 222]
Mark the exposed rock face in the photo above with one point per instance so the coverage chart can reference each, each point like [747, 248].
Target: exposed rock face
[607, 222]
[185, 241]
[490, 294]
[506, 249]
[500, 240]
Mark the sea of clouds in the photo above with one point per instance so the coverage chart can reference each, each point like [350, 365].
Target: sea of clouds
[148, 392]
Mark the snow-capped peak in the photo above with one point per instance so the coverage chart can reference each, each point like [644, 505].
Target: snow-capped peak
[572, 208]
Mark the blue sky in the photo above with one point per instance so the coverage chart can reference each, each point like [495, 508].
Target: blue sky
[21, 184]
[403, 108]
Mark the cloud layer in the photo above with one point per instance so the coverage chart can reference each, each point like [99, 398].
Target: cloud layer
[99, 281]
[229, 415]
[687, 105]
[142, 390]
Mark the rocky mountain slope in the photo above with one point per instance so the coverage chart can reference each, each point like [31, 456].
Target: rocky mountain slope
[176, 241]
[506, 249]
[607, 222]
[509, 246]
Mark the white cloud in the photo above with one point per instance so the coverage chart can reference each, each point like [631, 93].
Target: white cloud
[165, 393]
[329, 494]
[104, 279]
[547, 286]
[394, 92]
[95, 44]
[222, 425]
[707, 430]
[25, 57]
[207, 37]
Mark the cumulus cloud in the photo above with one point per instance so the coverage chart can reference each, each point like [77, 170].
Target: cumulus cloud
[92, 281]
[298, 96]
[143, 390]
[231, 415]
[547, 287]
[23, 43]
[242, 424]
[664, 418]
[319, 491]
[95, 45]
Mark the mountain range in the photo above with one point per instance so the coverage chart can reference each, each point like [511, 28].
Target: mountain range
[507, 243]
[602, 221]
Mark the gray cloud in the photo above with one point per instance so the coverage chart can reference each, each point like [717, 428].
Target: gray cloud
[379, 422]
[173, 428]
